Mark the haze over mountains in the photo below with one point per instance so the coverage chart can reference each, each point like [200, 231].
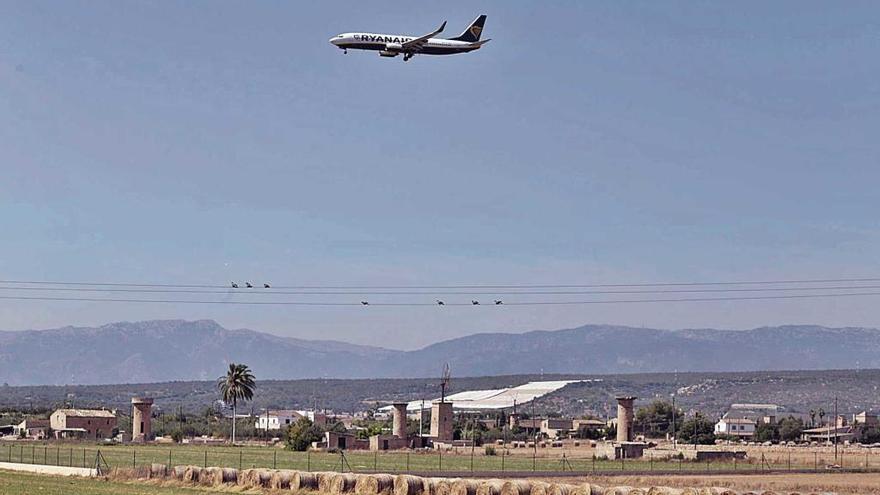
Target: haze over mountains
[171, 350]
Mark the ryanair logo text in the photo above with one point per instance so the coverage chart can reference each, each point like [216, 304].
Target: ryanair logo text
[381, 39]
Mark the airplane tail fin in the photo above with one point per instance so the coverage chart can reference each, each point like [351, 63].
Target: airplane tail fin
[473, 32]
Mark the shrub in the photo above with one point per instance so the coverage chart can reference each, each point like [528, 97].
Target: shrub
[490, 450]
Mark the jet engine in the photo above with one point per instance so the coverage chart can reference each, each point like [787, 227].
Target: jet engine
[393, 47]
[386, 53]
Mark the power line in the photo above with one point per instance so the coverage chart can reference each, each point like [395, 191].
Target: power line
[522, 303]
[454, 286]
[273, 292]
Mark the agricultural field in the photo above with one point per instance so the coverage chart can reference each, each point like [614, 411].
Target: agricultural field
[14, 483]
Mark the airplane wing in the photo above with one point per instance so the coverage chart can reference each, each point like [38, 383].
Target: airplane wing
[417, 44]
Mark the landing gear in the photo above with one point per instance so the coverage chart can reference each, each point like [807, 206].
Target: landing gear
[345, 51]
[407, 56]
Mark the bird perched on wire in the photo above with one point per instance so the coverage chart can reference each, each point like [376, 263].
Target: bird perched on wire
[234, 285]
[249, 285]
[498, 301]
[267, 286]
[475, 302]
[440, 303]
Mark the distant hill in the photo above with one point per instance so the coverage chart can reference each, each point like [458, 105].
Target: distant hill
[169, 350]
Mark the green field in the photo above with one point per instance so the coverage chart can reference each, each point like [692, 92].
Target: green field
[13, 483]
[124, 456]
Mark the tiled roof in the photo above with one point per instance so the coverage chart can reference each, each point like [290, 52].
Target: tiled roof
[87, 413]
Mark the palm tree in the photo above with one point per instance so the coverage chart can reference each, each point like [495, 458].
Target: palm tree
[821, 416]
[237, 384]
[812, 417]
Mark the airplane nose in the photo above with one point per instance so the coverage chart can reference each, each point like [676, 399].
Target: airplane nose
[336, 40]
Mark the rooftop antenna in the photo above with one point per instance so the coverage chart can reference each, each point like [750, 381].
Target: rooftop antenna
[444, 383]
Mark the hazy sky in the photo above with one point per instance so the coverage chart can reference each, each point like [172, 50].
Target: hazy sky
[617, 142]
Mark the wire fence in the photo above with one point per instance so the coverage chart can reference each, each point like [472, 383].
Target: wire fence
[461, 462]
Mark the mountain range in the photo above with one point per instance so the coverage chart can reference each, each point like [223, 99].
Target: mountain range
[173, 350]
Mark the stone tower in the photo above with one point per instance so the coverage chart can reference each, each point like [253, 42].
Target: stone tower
[441, 421]
[399, 415]
[141, 430]
[625, 419]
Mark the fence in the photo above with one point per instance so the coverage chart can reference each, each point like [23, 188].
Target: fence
[467, 461]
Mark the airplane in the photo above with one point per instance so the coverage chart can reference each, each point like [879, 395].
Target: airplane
[392, 45]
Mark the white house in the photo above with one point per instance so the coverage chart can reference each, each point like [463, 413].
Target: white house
[275, 420]
[738, 427]
[278, 419]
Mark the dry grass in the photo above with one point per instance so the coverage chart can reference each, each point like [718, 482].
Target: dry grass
[848, 483]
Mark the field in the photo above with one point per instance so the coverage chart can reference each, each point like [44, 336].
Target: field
[545, 460]
[12, 483]
[849, 483]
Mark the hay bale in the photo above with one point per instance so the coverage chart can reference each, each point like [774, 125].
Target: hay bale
[516, 487]
[264, 477]
[281, 479]
[210, 476]
[561, 489]
[158, 470]
[304, 481]
[343, 483]
[589, 489]
[245, 477]
[443, 486]
[229, 475]
[179, 472]
[464, 487]
[216, 476]
[325, 478]
[374, 484]
[617, 490]
[689, 491]
[540, 488]
[191, 474]
[717, 490]
[430, 485]
[405, 484]
[489, 487]
[254, 478]
[664, 490]
[637, 491]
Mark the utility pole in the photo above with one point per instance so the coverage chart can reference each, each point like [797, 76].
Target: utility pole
[421, 417]
[835, 428]
[673, 420]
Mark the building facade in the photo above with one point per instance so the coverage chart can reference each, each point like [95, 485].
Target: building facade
[33, 428]
[83, 423]
[736, 427]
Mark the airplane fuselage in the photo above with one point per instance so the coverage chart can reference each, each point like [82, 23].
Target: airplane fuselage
[394, 42]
